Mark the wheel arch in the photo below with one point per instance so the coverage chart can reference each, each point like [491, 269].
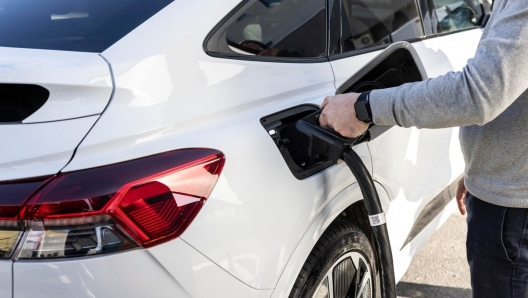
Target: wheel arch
[347, 205]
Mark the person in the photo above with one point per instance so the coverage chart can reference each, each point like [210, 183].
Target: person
[488, 99]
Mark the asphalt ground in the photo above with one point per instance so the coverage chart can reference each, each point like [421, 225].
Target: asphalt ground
[440, 269]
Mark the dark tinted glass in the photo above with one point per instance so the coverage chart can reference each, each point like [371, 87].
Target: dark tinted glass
[72, 25]
[455, 15]
[368, 23]
[280, 28]
[19, 101]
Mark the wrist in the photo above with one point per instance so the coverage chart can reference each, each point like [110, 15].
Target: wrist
[362, 108]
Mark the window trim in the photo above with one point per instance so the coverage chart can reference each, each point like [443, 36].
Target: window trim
[218, 32]
[419, 4]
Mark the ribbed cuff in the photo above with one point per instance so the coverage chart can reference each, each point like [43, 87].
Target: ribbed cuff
[381, 107]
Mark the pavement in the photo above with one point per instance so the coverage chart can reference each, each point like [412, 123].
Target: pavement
[440, 269]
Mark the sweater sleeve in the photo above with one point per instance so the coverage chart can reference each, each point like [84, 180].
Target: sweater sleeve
[488, 84]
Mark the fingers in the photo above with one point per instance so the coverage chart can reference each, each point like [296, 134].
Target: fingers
[461, 204]
[322, 119]
[339, 114]
[326, 101]
[460, 196]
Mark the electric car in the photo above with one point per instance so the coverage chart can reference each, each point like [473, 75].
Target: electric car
[145, 148]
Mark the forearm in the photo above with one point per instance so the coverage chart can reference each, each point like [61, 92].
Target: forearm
[487, 86]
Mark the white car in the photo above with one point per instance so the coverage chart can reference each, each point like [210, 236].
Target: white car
[143, 149]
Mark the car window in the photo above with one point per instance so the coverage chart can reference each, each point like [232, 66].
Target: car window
[455, 15]
[277, 28]
[369, 23]
[72, 25]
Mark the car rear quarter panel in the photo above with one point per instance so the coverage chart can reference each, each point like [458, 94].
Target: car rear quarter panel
[79, 85]
[171, 95]
[40, 149]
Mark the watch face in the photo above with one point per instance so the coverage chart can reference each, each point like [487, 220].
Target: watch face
[361, 112]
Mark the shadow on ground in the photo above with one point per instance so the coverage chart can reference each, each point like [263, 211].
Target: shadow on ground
[412, 290]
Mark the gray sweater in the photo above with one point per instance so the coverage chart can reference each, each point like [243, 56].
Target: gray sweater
[488, 98]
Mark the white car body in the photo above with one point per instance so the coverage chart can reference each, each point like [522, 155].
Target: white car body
[156, 90]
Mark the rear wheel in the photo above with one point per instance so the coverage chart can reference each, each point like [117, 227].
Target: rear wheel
[341, 265]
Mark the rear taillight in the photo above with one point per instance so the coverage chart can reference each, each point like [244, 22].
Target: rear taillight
[12, 197]
[112, 208]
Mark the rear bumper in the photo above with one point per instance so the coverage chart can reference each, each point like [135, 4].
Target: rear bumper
[5, 279]
[174, 269]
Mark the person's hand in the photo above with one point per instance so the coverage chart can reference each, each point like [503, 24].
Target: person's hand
[339, 114]
[461, 195]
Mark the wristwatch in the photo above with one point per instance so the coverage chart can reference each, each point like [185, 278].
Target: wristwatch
[362, 107]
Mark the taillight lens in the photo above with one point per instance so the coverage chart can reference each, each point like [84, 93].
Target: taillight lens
[12, 197]
[141, 202]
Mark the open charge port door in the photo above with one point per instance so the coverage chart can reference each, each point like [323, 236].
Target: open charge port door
[293, 144]
[396, 65]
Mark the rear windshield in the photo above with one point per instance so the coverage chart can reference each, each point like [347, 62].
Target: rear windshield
[72, 25]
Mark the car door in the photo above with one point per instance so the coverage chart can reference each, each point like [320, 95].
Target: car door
[418, 168]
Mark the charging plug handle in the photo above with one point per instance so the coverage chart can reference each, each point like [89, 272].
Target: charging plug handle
[322, 141]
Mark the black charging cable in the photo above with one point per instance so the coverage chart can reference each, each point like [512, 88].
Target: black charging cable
[373, 205]
[376, 218]
[316, 142]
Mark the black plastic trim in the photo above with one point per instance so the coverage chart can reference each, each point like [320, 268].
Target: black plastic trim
[267, 58]
[420, 15]
[268, 120]
[431, 210]
[425, 8]
[327, 39]
[485, 20]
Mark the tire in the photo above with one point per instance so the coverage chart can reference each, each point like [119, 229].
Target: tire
[342, 262]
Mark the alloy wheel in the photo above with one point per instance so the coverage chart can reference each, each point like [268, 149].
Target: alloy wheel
[349, 277]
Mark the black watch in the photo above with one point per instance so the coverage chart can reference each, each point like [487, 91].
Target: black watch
[362, 107]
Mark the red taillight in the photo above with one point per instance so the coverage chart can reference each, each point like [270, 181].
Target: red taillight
[13, 194]
[151, 200]
[161, 207]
